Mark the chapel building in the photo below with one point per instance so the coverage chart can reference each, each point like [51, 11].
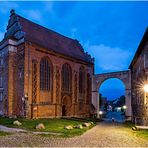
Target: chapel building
[43, 74]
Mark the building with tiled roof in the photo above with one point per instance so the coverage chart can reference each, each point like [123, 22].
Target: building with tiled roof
[43, 73]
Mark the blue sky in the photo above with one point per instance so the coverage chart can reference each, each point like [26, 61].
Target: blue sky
[112, 88]
[109, 31]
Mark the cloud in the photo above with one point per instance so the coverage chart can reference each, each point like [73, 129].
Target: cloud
[7, 6]
[110, 58]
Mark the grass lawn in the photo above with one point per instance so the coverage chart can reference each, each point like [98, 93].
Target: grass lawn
[142, 133]
[3, 133]
[51, 125]
[138, 133]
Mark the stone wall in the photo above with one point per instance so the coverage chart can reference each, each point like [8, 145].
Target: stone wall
[139, 73]
[125, 77]
[4, 87]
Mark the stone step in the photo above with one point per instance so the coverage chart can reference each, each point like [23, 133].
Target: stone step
[142, 127]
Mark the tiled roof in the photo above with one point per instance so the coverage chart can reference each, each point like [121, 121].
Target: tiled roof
[48, 39]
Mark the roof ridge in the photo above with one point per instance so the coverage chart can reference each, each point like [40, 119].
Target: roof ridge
[46, 37]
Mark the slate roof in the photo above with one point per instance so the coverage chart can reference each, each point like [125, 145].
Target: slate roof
[19, 26]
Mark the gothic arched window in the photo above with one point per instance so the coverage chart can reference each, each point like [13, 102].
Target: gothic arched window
[81, 80]
[88, 98]
[45, 74]
[66, 78]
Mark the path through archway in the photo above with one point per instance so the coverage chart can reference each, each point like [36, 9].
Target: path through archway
[112, 100]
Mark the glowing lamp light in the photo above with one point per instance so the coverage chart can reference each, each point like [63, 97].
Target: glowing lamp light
[124, 107]
[146, 88]
[100, 112]
[118, 108]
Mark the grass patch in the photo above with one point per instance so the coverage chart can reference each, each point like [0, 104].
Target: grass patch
[51, 125]
[128, 124]
[4, 133]
[142, 134]
[139, 133]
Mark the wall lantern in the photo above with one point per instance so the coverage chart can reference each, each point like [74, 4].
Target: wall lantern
[145, 88]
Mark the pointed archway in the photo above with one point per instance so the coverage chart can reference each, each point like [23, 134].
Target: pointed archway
[66, 105]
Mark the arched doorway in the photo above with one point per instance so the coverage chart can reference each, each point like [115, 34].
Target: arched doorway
[63, 110]
[125, 77]
[112, 100]
[66, 105]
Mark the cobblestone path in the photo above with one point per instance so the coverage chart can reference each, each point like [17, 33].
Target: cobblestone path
[103, 135]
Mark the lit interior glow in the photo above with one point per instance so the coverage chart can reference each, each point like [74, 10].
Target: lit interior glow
[146, 87]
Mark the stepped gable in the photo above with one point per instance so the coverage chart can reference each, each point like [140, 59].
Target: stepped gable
[19, 27]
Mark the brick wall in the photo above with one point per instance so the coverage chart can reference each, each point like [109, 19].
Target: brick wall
[50, 103]
[19, 81]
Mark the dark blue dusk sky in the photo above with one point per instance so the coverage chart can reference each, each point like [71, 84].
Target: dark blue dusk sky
[109, 31]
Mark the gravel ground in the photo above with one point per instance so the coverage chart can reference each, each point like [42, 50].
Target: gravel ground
[102, 135]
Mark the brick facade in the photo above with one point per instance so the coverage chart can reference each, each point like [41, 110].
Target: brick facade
[22, 95]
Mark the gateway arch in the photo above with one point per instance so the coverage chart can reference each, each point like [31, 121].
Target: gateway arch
[125, 77]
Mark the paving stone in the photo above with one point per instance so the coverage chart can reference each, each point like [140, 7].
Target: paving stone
[102, 135]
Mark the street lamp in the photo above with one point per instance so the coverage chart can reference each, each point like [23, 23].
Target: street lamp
[100, 114]
[124, 107]
[25, 102]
